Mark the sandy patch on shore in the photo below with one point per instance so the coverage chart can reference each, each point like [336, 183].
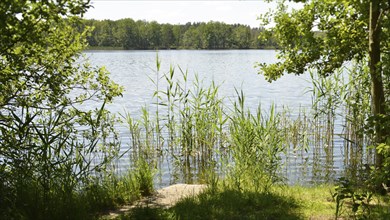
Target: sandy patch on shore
[162, 198]
[169, 196]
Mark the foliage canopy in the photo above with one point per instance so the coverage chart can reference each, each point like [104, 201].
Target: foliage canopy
[325, 35]
[49, 134]
[130, 34]
[344, 36]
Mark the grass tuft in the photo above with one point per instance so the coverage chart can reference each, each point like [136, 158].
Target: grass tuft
[236, 204]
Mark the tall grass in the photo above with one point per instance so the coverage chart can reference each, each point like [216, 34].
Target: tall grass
[188, 124]
[342, 99]
[256, 146]
[204, 139]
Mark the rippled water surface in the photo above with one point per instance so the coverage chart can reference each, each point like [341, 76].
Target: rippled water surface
[228, 68]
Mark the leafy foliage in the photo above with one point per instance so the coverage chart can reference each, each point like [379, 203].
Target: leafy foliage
[381, 176]
[343, 26]
[51, 140]
[360, 201]
[130, 34]
[346, 28]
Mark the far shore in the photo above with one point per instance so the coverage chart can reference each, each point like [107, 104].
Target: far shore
[121, 48]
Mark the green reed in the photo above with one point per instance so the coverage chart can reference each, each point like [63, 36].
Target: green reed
[358, 111]
[257, 142]
[135, 133]
[195, 128]
[341, 97]
[192, 125]
[245, 150]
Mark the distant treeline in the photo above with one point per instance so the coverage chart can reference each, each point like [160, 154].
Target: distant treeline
[130, 34]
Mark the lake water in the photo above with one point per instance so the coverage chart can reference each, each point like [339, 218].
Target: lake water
[228, 68]
[231, 69]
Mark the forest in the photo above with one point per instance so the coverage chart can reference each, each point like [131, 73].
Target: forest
[129, 34]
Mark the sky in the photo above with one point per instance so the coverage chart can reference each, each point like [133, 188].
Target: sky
[180, 12]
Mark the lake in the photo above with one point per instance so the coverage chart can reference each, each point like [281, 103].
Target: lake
[231, 69]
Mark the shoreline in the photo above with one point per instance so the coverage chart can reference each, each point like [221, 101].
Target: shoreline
[173, 49]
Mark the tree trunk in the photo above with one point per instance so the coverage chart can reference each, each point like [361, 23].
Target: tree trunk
[377, 92]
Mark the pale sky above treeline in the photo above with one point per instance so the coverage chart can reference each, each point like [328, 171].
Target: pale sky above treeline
[180, 12]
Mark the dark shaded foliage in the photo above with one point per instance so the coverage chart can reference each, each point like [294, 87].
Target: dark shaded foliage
[130, 34]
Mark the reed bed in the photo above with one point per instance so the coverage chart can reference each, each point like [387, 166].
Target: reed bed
[199, 135]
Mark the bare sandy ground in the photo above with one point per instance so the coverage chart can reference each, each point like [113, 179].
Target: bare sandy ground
[169, 196]
[163, 198]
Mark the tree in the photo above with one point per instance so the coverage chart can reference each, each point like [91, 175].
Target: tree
[377, 8]
[153, 33]
[210, 38]
[177, 35]
[242, 37]
[49, 134]
[142, 33]
[167, 36]
[91, 38]
[129, 36]
[192, 38]
[106, 30]
[352, 30]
